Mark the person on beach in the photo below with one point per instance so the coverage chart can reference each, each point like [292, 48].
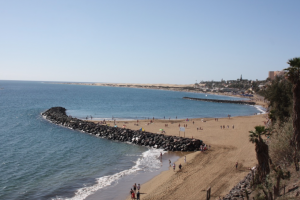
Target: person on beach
[134, 187]
[232, 126]
[169, 162]
[132, 195]
[180, 166]
[160, 156]
[131, 191]
[138, 186]
[138, 195]
[184, 159]
[174, 167]
[236, 165]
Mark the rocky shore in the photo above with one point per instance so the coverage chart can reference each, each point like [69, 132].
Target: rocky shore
[241, 190]
[57, 115]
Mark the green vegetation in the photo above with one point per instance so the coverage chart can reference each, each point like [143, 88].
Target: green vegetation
[280, 97]
[278, 146]
[293, 75]
[262, 152]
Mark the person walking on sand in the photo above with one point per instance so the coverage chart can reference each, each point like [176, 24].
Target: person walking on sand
[174, 167]
[138, 195]
[134, 187]
[138, 187]
[180, 166]
[236, 165]
[170, 162]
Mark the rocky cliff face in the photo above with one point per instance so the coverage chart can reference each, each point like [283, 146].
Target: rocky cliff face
[57, 115]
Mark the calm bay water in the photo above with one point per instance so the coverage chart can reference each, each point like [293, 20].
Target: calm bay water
[39, 160]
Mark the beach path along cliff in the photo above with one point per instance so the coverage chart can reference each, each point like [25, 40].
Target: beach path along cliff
[57, 115]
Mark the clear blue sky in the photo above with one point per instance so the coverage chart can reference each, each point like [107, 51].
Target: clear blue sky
[153, 41]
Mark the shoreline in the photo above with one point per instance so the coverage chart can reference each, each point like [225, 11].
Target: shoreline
[139, 177]
[214, 168]
[169, 87]
[234, 147]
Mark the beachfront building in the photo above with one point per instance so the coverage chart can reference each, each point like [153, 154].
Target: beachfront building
[273, 74]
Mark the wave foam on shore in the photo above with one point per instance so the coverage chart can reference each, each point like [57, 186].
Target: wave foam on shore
[261, 109]
[149, 161]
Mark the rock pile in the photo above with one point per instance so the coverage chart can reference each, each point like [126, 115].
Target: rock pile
[239, 191]
[222, 101]
[57, 115]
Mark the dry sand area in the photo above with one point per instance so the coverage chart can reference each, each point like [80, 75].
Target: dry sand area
[214, 168]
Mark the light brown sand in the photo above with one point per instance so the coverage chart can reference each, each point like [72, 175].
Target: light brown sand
[214, 168]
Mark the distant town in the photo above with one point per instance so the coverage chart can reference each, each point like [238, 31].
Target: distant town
[240, 86]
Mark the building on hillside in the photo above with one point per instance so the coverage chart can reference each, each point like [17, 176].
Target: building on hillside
[273, 74]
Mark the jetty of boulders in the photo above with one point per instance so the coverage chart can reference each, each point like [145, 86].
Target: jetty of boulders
[57, 115]
[221, 101]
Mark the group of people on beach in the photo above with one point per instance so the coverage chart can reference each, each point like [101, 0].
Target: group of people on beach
[223, 127]
[135, 194]
[204, 147]
[174, 165]
[87, 117]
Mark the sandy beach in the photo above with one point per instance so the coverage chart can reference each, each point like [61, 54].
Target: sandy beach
[214, 168]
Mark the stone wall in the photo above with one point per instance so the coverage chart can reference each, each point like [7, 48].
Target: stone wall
[57, 115]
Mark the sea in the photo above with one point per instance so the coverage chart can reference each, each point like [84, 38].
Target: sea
[40, 160]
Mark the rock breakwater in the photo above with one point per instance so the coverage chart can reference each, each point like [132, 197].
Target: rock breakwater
[221, 101]
[57, 115]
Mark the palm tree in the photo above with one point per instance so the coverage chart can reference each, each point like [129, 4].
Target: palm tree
[262, 152]
[293, 75]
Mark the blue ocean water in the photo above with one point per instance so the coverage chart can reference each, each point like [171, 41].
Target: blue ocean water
[39, 160]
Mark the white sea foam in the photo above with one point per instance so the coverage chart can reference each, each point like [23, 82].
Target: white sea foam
[148, 162]
[261, 109]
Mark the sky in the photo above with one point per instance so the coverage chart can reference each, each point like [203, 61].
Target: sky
[175, 42]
